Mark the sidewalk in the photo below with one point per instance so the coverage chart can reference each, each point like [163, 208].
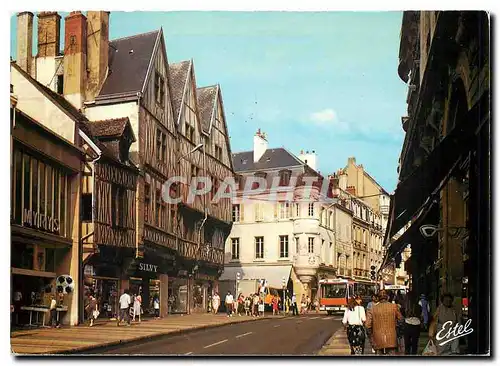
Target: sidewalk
[106, 333]
[338, 345]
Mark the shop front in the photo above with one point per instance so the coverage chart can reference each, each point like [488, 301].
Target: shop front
[44, 173]
[102, 280]
[178, 299]
[150, 279]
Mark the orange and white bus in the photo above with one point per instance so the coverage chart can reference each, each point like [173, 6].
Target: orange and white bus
[334, 293]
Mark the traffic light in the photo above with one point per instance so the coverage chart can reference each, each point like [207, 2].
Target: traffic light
[373, 273]
[238, 276]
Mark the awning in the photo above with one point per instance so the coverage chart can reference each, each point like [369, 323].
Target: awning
[412, 193]
[272, 274]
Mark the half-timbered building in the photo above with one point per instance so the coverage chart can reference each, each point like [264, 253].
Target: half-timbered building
[204, 151]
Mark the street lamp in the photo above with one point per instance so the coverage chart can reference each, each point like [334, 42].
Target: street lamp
[283, 282]
[196, 148]
[238, 278]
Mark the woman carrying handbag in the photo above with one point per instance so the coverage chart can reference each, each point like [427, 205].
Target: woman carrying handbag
[354, 318]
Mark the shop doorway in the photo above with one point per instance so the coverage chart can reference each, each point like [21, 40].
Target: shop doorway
[177, 295]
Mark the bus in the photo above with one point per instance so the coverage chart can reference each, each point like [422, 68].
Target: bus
[334, 293]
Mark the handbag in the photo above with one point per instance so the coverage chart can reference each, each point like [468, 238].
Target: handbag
[95, 313]
[430, 349]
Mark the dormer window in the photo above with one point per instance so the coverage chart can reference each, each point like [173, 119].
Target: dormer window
[285, 177]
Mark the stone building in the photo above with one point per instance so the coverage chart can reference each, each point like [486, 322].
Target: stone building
[443, 193]
[371, 211]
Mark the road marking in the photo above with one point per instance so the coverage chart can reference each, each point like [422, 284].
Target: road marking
[276, 326]
[216, 343]
[328, 318]
[244, 334]
[187, 354]
[299, 321]
[316, 317]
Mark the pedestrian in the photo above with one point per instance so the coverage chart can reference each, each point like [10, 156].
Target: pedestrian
[445, 313]
[17, 298]
[229, 304]
[275, 305]
[125, 302]
[137, 307]
[303, 304]
[354, 318]
[426, 309]
[240, 305]
[373, 302]
[308, 303]
[381, 322]
[261, 308]
[91, 309]
[294, 305]
[255, 303]
[156, 306]
[54, 321]
[316, 305]
[412, 329]
[216, 303]
[248, 304]
[288, 304]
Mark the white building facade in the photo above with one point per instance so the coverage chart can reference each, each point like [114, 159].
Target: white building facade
[290, 232]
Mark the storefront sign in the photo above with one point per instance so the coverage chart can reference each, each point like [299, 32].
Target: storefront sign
[40, 221]
[148, 267]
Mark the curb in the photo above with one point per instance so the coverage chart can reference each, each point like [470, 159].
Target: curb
[78, 350]
[328, 348]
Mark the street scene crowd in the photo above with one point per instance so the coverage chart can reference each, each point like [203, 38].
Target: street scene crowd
[393, 323]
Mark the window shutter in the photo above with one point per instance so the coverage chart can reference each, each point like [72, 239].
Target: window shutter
[241, 212]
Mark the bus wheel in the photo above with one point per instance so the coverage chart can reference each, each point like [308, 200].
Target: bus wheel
[329, 312]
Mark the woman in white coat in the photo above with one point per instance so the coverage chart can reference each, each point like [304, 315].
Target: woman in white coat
[137, 307]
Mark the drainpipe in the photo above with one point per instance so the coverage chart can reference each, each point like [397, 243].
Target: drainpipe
[80, 260]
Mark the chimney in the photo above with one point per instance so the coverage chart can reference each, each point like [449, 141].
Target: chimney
[25, 41]
[49, 34]
[97, 52]
[351, 190]
[342, 180]
[259, 145]
[309, 158]
[75, 51]
[351, 161]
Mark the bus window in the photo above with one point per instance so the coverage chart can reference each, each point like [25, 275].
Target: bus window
[331, 290]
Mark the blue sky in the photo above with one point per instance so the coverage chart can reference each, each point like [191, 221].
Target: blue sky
[315, 81]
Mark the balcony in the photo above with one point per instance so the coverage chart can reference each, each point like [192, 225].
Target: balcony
[306, 266]
[359, 272]
[306, 225]
[347, 272]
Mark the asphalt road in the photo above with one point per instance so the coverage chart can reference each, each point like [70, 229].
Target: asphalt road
[300, 335]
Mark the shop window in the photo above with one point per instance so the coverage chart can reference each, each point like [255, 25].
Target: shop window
[50, 260]
[235, 248]
[87, 207]
[283, 246]
[38, 189]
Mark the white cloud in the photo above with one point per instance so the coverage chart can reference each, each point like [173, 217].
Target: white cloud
[327, 118]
